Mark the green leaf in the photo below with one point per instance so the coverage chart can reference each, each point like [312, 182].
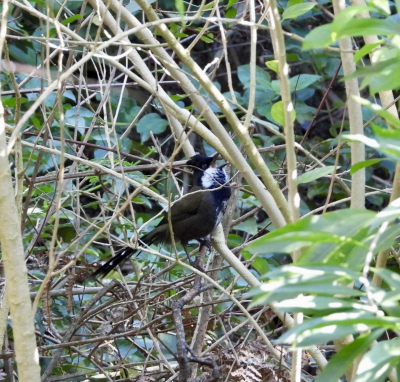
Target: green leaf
[71, 19]
[151, 123]
[320, 37]
[11, 102]
[273, 65]
[207, 37]
[304, 113]
[276, 86]
[367, 163]
[388, 79]
[231, 13]
[259, 264]
[389, 141]
[386, 141]
[141, 199]
[378, 109]
[36, 122]
[277, 113]
[345, 25]
[209, 5]
[290, 291]
[321, 304]
[293, 2]
[334, 326]
[390, 277]
[314, 272]
[376, 364]
[315, 174]
[290, 281]
[382, 75]
[380, 4]
[180, 7]
[78, 117]
[366, 49]
[249, 226]
[263, 79]
[339, 363]
[388, 214]
[231, 3]
[70, 95]
[386, 240]
[303, 81]
[20, 55]
[335, 228]
[319, 336]
[347, 15]
[297, 10]
[292, 241]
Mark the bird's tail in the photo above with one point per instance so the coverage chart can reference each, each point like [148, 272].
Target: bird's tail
[122, 255]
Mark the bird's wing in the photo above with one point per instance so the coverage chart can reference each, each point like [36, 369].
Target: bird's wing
[184, 207]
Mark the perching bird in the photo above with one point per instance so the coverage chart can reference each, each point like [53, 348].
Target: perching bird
[193, 217]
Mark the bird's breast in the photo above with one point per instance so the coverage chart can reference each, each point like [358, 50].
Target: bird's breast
[220, 201]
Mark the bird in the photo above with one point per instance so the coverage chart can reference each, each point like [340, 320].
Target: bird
[192, 217]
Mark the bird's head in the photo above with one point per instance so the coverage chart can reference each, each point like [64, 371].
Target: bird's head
[205, 172]
[201, 162]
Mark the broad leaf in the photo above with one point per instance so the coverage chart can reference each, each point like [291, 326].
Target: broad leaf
[151, 123]
[277, 113]
[71, 19]
[366, 49]
[273, 65]
[297, 10]
[378, 109]
[303, 81]
[249, 226]
[388, 214]
[336, 227]
[360, 165]
[345, 25]
[345, 357]
[263, 79]
[376, 364]
[314, 174]
[291, 291]
[386, 141]
[337, 325]
[390, 277]
[319, 37]
[321, 305]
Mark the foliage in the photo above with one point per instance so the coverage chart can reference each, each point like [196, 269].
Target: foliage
[337, 299]
[110, 136]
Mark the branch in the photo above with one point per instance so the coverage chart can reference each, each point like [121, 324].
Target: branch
[275, 203]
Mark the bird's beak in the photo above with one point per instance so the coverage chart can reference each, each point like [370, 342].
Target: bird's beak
[215, 157]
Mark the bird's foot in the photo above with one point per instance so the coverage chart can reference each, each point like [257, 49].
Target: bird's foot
[205, 242]
[195, 265]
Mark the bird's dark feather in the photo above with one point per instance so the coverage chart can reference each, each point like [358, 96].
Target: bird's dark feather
[198, 205]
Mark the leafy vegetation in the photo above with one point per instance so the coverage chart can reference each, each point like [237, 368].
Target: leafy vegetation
[104, 101]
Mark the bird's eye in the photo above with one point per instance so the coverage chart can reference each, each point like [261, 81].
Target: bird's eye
[204, 166]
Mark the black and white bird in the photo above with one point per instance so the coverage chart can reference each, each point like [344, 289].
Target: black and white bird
[193, 217]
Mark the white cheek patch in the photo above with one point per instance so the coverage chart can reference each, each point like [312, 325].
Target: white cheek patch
[207, 180]
[214, 178]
